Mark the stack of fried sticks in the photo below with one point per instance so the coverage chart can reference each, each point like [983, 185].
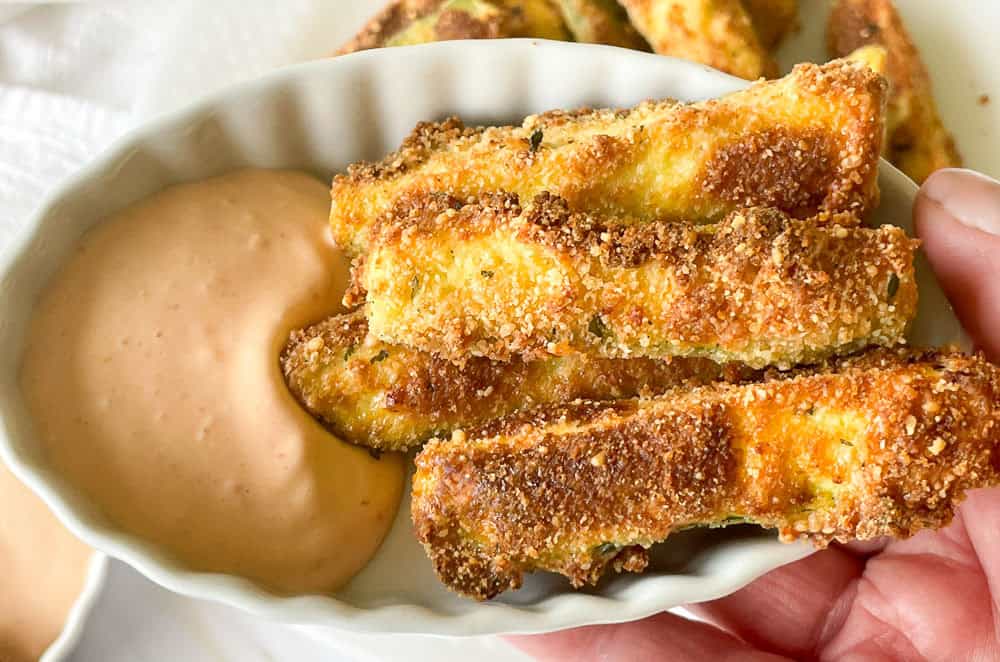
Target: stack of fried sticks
[610, 325]
[735, 36]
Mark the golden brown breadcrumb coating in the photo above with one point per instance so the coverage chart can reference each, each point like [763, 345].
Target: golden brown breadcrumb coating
[391, 397]
[918, 144]
[492, 279]
[718, 33]
[808, 142]
[772, 19]
[882, 445]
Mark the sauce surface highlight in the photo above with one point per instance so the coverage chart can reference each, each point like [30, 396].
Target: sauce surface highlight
[43, 569]
[152, 376]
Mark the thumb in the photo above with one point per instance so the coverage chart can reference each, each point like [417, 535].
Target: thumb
[957, 215]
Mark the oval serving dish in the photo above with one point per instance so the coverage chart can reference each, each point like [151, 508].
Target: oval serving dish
[320, 117]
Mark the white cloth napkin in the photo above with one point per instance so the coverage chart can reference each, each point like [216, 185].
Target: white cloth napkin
[74, 76]
[43, 138]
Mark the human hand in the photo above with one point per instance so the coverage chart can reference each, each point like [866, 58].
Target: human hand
[935, 596]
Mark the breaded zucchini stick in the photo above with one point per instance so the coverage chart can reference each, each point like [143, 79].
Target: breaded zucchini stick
[536, 18]
[714, 32]
[408, 22]
[391, 397]
[917, 142]
[806, 143]
[772, 19]
[492, 279]
[601, 22]
[882, 445]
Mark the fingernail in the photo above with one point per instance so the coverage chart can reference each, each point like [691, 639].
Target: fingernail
[973, 199]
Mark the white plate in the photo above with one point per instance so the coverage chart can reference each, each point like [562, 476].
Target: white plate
[321, 116]
[77, 617]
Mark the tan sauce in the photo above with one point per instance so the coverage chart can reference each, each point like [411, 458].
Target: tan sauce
[152, 375]
[43, 569]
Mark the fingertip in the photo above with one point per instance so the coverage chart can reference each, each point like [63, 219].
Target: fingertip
[957, 215]
[966, 196]
[943, 174]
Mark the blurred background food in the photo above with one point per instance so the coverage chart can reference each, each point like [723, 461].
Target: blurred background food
[772, 19]
[872, 30]
[735, 36]
[601, 22]
[718, 33]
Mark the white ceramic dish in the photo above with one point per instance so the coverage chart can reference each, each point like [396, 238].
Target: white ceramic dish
[73, 627]
[321, 116]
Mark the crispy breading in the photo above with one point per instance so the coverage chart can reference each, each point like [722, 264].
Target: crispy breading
[806, 143]
[714, 32]
[407, 22]
[918, 143]
[885, 445]
[601, 22]
[492, 279]
[394, 398]
[876, 58]
[772, 19]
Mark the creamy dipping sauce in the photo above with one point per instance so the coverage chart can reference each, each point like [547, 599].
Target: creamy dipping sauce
[152, 376]
[43, 569]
